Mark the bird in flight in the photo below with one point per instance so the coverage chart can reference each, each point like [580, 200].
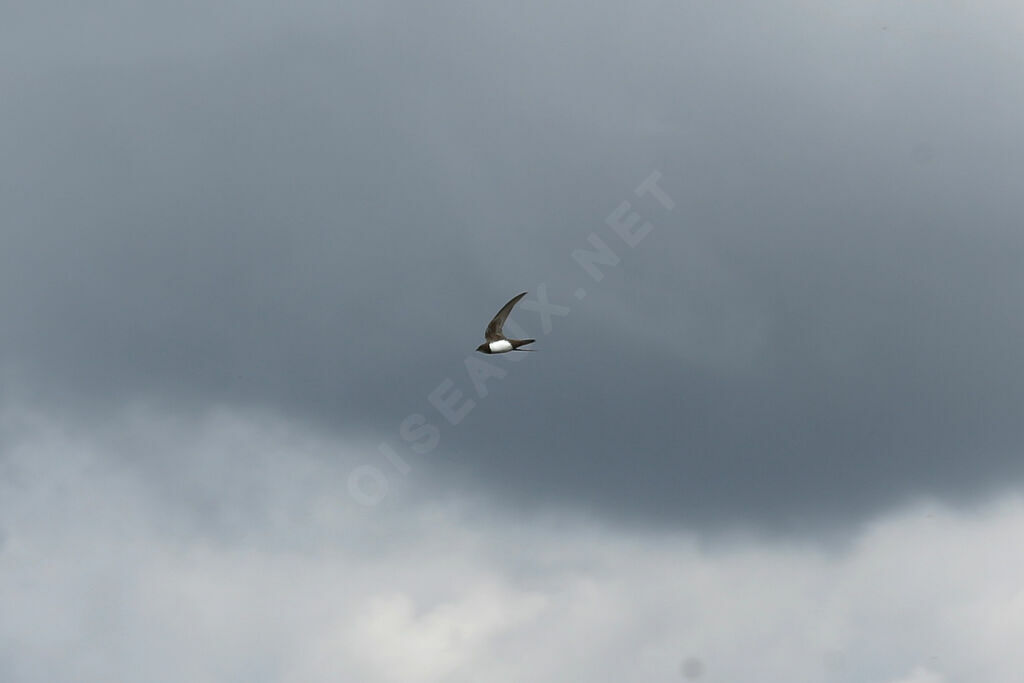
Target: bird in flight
[496, 341]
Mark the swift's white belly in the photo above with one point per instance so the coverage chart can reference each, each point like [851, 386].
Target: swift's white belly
[500, 346]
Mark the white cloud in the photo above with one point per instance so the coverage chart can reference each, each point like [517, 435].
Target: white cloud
[922, 675]
[228, 549]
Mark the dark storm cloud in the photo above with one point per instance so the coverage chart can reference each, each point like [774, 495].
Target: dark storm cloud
[319, 210]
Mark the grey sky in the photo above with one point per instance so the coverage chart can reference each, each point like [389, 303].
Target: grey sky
[318, 211]
[304, 215]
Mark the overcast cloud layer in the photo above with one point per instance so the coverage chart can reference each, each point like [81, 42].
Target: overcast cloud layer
[246, 562]
[773, 427]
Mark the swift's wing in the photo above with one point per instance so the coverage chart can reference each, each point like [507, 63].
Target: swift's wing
[493, 332]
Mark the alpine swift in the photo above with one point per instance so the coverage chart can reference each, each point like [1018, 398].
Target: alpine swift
[496, 341]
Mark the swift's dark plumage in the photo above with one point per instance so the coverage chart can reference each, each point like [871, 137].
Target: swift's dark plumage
[496, 340]
[493, 332]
